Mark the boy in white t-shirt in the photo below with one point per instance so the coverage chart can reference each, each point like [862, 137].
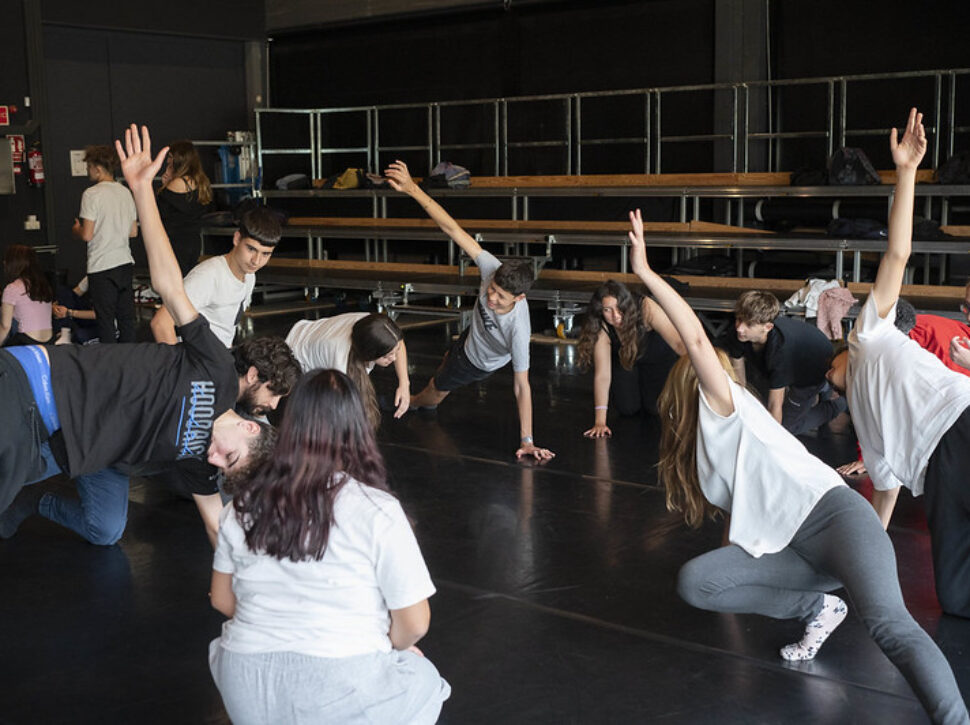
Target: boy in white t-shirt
[909, 410]
[500, 328]
[221, 287]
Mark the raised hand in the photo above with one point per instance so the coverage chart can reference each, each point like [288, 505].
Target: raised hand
[638, 248]
[908, 152]
[399, 177]
[136, 158]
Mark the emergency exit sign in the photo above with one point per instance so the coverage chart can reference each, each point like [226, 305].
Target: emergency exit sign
[4, 115]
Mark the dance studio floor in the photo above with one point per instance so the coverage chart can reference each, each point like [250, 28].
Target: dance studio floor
[555, 603]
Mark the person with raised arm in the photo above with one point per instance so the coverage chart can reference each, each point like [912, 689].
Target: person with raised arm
[911, 413]
[101, 412]
[796, 531]
[500, 329]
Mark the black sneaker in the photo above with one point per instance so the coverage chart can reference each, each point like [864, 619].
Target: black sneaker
[23, 507]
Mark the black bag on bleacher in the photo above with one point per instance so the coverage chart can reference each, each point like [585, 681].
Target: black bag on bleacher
[955, 170]
[851, 167]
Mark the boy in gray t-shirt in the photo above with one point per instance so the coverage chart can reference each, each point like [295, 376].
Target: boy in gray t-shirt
[500, 327]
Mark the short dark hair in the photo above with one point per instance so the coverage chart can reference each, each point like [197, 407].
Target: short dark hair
[516, 278]
[104, 156]
[905, 316]
[756, 307]
[260, 449]
[273, 360]
[261, 224]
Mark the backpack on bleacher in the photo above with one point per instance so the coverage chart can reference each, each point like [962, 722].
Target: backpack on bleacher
[447, 175]
[955, 170]
[851, 167]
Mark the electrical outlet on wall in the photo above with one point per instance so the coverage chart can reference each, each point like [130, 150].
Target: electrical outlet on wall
[32, 224]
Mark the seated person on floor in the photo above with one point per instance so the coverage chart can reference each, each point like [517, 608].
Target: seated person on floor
[933, 333]
[98, 412]
[500, 330]
[27, 298]
[790, 355]
[354, 343]
[74, 317]
[221, 288]
[911, 413]
[632, 346]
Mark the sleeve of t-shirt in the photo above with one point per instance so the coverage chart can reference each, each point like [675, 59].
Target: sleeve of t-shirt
[197, 476]
[487, 264]
[13, 291]
[521, 336]
[89, 205]
[199, 287]
[228, 530]
[205, 348]
[402, 575]
[870, 325]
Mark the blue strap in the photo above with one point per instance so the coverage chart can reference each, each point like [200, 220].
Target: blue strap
[38, 369]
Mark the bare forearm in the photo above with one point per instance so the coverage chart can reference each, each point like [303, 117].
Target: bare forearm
[601, 396]
[523, 401]
[884, 502]
[409, 625]
[401, 367]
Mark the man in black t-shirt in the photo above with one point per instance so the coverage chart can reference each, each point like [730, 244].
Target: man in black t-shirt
[790, 356]
[99, 413]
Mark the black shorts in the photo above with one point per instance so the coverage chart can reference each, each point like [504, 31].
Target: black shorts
[456, 370]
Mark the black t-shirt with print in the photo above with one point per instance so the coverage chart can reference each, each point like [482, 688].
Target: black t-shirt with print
[133, 404]
[795, 354]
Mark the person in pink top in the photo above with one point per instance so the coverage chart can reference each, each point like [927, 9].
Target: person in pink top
[27, 298]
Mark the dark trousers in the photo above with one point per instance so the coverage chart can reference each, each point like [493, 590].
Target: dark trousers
[946, 496]
[113, 299]
[809, 407]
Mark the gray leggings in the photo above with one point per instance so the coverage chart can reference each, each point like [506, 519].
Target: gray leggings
[840, 541]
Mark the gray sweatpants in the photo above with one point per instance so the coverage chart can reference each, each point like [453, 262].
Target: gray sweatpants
[840, 541]
[285, 688]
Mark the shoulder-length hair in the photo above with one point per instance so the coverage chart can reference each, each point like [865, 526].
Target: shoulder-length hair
[187, 165]
[286, 507]
[678, 405]
[20, 262]
[372, 337]
[629, 330]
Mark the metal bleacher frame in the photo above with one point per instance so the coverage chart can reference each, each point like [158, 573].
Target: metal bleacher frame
[374, 150]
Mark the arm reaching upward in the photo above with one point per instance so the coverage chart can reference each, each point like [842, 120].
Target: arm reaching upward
[140, 169]
[400, 179]
[710, 374]
[907, 155]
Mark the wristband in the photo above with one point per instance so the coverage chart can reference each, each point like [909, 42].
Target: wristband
[526, 439]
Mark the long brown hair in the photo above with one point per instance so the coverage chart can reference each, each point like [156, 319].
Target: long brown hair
[678, 405]
[629, 331]
[187, 165]
[286, 506]
[372, 337]
[20, 262]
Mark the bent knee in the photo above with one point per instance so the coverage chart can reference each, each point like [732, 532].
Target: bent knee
[694, 586]
[105, 533]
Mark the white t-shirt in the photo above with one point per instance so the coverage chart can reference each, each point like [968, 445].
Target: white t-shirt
[219, 295]
[335, 607]
[109, 205]
[754, 469]
[902, 400]
[324, 344]
[495, 339]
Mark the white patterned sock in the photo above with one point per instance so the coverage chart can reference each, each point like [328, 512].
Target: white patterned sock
[817, 631]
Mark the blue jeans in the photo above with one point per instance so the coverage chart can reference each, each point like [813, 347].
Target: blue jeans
[102, 511]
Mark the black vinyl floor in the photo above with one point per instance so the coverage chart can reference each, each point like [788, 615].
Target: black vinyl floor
[555, 603]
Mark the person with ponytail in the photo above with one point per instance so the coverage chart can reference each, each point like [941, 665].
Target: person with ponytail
[322, 578]
[354, 343]
[796, 531]
[632, 346]
[27, 298]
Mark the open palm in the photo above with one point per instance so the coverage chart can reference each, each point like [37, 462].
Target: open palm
[908, 152]
[136, 157]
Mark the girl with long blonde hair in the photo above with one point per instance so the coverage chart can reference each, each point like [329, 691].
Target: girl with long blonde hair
[796, 531]
[184, 197]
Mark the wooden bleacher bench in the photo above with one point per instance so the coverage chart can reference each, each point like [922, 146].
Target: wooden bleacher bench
[778, 178]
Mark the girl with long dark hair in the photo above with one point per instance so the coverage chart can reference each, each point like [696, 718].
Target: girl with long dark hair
[631, 345]
[354, 343]
[27, 298]
[322, 577]
[184, 197]
[796, 530]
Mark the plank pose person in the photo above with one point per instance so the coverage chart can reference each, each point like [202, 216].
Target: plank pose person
[500, 328]
[796, 530]
[323, 579]
[911, 413]
[99, 412]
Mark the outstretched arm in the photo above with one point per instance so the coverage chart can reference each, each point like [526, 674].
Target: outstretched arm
[139, 170]
[907, 155]
[659, 321]
[400, 179]
[402, 397]
[710, 374]
[523, 401]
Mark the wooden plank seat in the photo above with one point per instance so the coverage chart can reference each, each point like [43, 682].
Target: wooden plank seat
[778, 178]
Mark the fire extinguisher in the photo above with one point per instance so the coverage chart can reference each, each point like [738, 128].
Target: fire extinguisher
[35, 166]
